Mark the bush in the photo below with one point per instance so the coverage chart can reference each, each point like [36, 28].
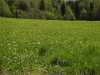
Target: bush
[4, 8]
[50, 16]
[59, 17]
[19, 13]
[0, 11]
[66, 17]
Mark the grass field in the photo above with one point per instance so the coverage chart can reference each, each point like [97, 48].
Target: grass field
[49, 47]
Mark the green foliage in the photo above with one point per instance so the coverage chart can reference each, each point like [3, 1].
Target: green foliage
[58, 9]
[94, 11]
[21, 14]
[69, 15]
[80, 9]
[63, 9]
[42, 5]
[59, 17]
[83, 14]
[4, 8]
[23, 5]
[13, 10]
[98, 13]
[50, 16]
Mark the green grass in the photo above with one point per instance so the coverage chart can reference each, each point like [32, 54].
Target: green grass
[49, 47]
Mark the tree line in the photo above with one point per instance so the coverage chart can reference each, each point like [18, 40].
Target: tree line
[51, 9]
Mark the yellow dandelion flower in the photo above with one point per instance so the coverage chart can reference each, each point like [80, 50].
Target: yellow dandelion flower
[14, 42]
[38, 42]
[34, 43]
[4, 56]
[71, 51]
[25, 49]
[10, 48]
[9, 44]
[1, 44]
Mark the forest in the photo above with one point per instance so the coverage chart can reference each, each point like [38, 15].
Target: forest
[51, 9]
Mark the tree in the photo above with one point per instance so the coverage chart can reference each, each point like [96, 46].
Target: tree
[58, 9]
[59, 2]
[98, 13]
[42, 5]
[87, 7]
[69, 15]
[23, 6]
[63, 9]
[91, 7]
[77, 12]
[54, 3]
[13, 10]
[4, 8]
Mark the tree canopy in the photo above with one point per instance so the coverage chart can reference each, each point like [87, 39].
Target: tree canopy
[51, 9]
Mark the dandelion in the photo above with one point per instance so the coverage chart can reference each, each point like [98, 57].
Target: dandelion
[10, 48]
[52, 48]
[25, 49]
[71, 51]
[14, 53]
[1, 44]
[56, 41]
[4, 56]
[9, 44]
[38, 42]
[14, 42]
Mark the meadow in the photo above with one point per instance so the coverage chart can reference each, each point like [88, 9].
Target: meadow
[49, 47]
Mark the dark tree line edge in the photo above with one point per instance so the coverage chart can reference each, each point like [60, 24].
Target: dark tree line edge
[51, 9]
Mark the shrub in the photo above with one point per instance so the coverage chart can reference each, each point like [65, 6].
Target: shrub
[59, 17]
[66, 17]
[19, 13]
[50, 16]
[41, 15]
[4, 8]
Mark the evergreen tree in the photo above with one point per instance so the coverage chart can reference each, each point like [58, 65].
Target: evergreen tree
[23, 6]
[59, 2]
[42, 5]
[98, 14]
[69, 14]
[91, 7]
[63, 9]
[4, 8]
[77, 12]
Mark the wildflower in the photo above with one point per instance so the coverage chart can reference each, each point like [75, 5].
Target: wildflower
[71, 51]
[1, 44]
[56, 41]
[38, 42]
[14, 42]
[25, 49]
[4, 56]
[14, 53]
[9, 44]
[10, 48]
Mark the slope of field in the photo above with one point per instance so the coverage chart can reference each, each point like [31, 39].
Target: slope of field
[52, 47]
